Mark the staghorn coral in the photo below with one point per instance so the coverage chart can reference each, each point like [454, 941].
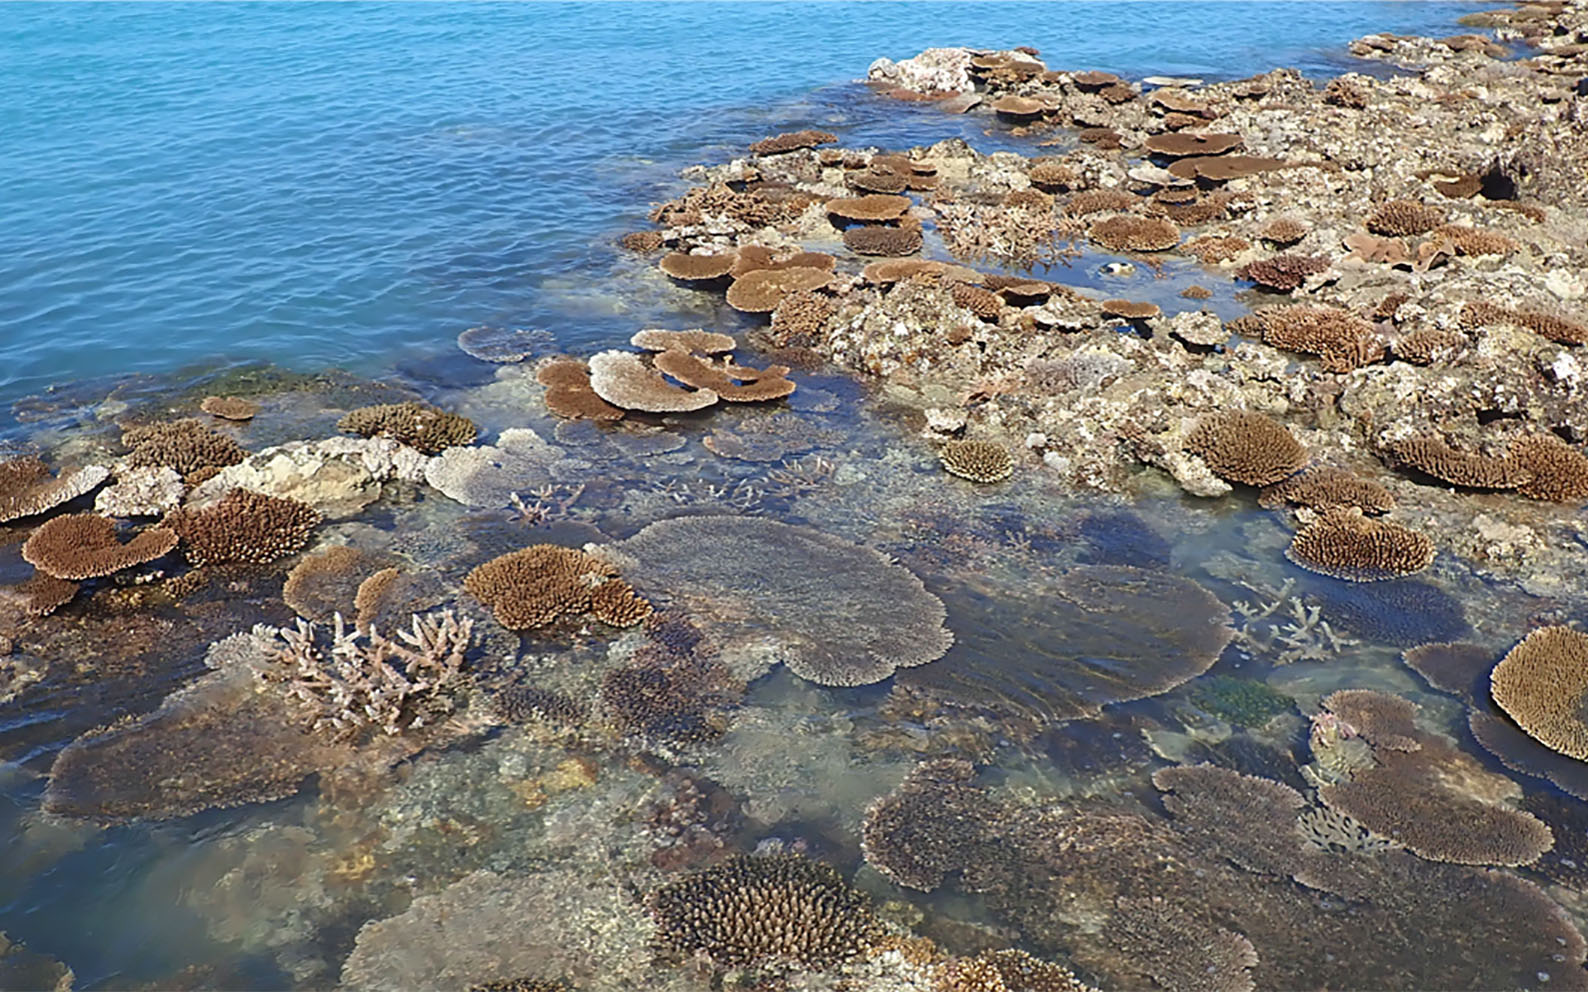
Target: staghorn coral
[187, 445]
[536, 586]
[85, 546]
[245, 526]
[731, 382]
[27, 488]
[773, 911]
[1282, 272]
[1555, 471]
[423, 428]
[865, 618]
[1429, 345]
[568, 392]
[1430, 455]
[1540, 684]
[1126, 233]
[876, 239]
[978, 461]
[1400, 218]
[791, 141]
[1241, 446]
[1346, 545]
[761, 291]
[1342, 341]
[1325, 486]
[352, 690]
[622, 379]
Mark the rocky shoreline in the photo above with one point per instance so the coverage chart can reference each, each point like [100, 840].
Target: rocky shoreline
[1410, 251]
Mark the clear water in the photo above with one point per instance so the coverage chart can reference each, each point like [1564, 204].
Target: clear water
[322, 184]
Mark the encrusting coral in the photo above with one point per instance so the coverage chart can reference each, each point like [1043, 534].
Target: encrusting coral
[1344, 544]
[538, 585]
[189, 446]
[1540, 684]
[424, 428]
[1246, 447]
[245, 526]
[85, 545]
[978, 461]
[27, 488]
[772, 911]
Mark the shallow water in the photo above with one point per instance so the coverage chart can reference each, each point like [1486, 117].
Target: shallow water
[352, 186]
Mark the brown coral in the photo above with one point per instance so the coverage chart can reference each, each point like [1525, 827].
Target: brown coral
[776, 910]
[324, 584]
[1345, 544]
[1051, 175]
[1242, 446]
[85, 545]
[762, 290]
[1282, 272]
[791, 141]
[187, 445]
[734, 383]
[928, 827]
[1342, 340]
[1125, 233]
[1325, 486]
[873, 181]
[1540, 684]
[27, 488]
[1222, 168]
[697, 340]
[1211, 249]
[1131, 310]
[622, 379]
[696, 268]
[983, 303]
[1555, 471]
[752, 257]
[536, 586]
[871, 209]
[1429, 345]
[1399, 218]
[876, 239]
[1431, 455]
[42, 594]
[800, 318]
[643, 242]
[244, 527]
[1096, 201]
[568, 391]
[424, 428]
[229, 407]
[1282, 230]
[1019, 107]
[1180, 144]
[978, 461]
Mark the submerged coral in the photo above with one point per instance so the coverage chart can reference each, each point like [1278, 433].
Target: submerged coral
[423, 428]
[978, 461]
[1540, 684]
[769, 911]
[85, 545]
[27, 488]
[540, 584]
[1345, 544]
[244, 527]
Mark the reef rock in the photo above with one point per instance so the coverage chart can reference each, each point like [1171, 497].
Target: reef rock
[338, 476]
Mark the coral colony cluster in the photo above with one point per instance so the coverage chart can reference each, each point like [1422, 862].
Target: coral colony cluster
[814, 704]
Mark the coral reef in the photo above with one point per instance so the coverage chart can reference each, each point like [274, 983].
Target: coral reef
[1282, 272]
[85, 545]
[978, 461]
[1344, 544]
[1122, 232]
[768, 911]
[1245, 447]
[862, 620]
[423, 428]
[189, 446]
[27, 488]
[540, 584]
[244, 527]
[791, 141]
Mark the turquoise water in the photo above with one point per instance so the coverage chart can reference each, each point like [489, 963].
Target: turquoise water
[326, 184]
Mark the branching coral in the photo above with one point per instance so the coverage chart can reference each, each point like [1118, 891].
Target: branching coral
[1245, 447]
[538, 585]
[359, 685]
[1096, 201]
[244, 527]
[978, 461]
[27, 488]
[424, 428]
[188, 445]
[776, 910]
[1282, 272]
[1345, 544]
[800, 319]
[1211, 249]
[1126, 233]
[1282, 230]
[877, 239]
[1341, 340]
[1429, 346]
[1399, 218]
[85, 545]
